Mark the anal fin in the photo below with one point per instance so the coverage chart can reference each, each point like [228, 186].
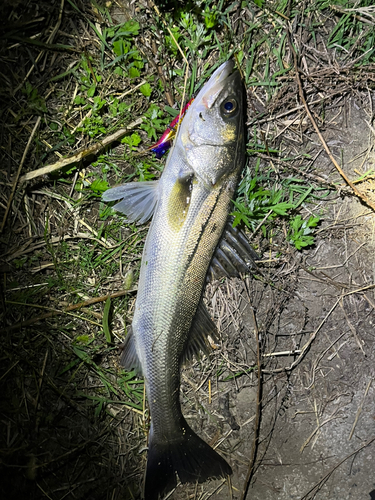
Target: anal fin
[202, 327]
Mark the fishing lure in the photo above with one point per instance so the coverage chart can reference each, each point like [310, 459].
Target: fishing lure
[164, 143]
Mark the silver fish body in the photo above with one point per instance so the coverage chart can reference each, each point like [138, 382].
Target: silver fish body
[190, 205]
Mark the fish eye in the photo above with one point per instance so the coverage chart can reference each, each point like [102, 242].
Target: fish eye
[229, 106]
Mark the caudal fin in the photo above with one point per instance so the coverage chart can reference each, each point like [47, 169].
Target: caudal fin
[187, 456]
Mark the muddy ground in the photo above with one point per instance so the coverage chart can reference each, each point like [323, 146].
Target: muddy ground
[317, 432]
[312, 311]
[320, 421]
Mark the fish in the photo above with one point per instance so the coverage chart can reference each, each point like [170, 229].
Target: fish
[189, 206]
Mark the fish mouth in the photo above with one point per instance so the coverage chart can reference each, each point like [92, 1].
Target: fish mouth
[222, 72]
[194, 131]
[208, 95]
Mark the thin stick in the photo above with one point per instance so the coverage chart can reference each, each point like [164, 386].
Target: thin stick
[15, 182]
[282, 353]
[369, 301]
[306, 347]
[94, 149]
[318, 427]
[259, 225]
[352, 329]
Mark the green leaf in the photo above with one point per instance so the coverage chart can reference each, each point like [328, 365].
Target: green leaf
[82, 355]
[83, 339]
[240, 217]
[146, 89]
[210, 18]
[134, 72]
[313, 221]
[79, 100]
[91, 90]
[300, 231]
[131, 27]
[99, 408]
[120, 47]
[118, 71]
[106, 313]
[129, 279]
[304, 241]
[281, 208]
[69, 366]
[173, 112]
[99, 186]
[170, 42]
[132, 140]
[296, 222]
[98, 103]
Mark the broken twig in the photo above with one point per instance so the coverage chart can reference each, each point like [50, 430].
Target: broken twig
[91, 150]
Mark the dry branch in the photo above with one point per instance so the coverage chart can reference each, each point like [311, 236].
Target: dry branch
[92, 150]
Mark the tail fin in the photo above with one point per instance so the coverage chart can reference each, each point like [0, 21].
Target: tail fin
[187, 455]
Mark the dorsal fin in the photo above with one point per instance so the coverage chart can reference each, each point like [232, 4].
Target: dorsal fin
[139, 199]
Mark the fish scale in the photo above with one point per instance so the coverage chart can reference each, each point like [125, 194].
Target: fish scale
[187, 260]
[189, 207]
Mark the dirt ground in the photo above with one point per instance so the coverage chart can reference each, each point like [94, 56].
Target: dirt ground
[318, 423]
[317, 437]
[313, 312]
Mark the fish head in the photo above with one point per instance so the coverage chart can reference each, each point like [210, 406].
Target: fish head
[212, 131]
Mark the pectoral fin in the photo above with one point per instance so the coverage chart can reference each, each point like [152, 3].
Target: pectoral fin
[233, 255]
[139, 200]
[202, 327]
